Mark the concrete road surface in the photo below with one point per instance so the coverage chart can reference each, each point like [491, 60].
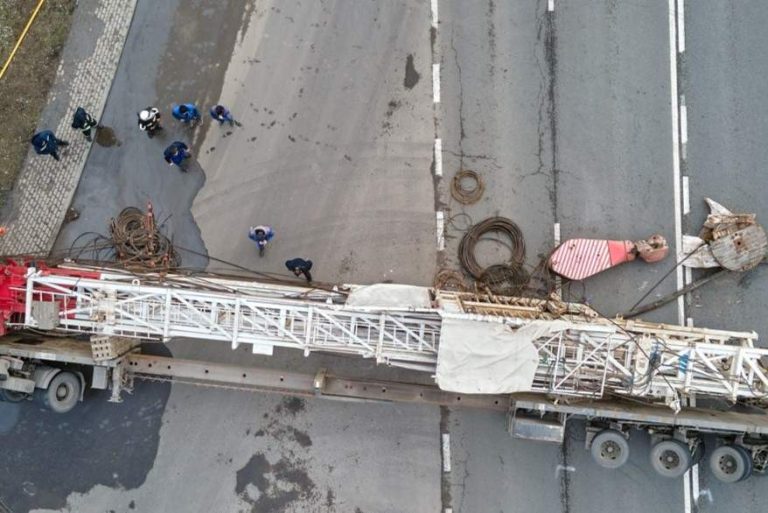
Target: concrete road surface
[335, 147]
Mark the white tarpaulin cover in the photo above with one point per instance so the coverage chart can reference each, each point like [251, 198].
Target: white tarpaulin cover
[487, 358]
[389, 295]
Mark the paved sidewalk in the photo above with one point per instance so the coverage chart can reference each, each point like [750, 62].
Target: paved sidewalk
[45, 187]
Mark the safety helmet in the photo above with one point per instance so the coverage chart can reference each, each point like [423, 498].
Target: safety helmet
[145, 115]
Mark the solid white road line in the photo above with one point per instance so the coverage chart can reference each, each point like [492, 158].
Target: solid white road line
[550, 5]
[695, 483]
[686, 197]
[681, 26]
[440, 229]
[438, 157]
[687, 491]
[436, 83]
[446, 452]
[434, 13]
[558, 279]
[683, 127]
[676, 155]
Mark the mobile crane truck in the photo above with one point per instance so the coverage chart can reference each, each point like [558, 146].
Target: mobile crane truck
[540, 361]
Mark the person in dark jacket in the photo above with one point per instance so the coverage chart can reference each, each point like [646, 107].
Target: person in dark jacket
[299, 266]
[84, 122]
[221, 114]
[46, 143]
[176, 153]
[186, 113]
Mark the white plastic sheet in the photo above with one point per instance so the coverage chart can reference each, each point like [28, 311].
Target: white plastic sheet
[389, 295]
[485, 358]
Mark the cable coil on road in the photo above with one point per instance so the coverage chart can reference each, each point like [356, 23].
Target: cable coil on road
[467, 195]
[493, 224]
[448, 279]
[139, 242]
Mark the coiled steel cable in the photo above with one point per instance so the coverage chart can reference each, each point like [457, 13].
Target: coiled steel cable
[139, 242]
[506, 227]
[448, 279]
[467, 195]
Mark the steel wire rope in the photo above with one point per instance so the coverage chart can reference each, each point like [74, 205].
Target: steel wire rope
[492, 224]
[678, 264]
[467, 195]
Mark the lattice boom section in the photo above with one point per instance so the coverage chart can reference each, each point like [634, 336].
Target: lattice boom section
[587, 358]
[399, 338]
[592, 360]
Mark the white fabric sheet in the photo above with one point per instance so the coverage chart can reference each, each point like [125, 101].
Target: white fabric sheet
[486, 358]
[389, 295]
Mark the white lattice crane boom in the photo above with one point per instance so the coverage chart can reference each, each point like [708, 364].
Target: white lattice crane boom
[577, 353]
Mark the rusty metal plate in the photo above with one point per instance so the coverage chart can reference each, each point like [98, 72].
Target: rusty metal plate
[742, 250]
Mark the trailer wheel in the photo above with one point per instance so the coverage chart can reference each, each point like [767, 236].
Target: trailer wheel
[12, 396]
[610, 449]
[62, 393]
[731, 463]
[671, 458]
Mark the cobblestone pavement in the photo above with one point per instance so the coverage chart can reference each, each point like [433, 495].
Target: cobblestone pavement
[44, 190]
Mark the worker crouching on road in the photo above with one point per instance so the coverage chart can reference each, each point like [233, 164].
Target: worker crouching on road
[46, 143]
[186, 113]
[176, 154]
[299, 266]
[221, 114]
[84, 122]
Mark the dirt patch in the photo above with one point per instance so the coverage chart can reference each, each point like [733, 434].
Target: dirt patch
[24, 88]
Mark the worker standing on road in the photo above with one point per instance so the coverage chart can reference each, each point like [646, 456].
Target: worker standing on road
[176, 153]
[149, 120]
[261, 235]
[186, 113]
[81, 120]
[46, 143]
[299, 266]
[221, 114]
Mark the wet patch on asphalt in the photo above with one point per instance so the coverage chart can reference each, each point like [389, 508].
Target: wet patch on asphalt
[105, 136]
[187, 73]
[271, 487]
[275, 481]
[97, 443]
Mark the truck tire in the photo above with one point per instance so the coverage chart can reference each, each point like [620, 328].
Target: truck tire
[62, 393]
[671, 458]
[610, 449]
[730, 463]
[12, 396]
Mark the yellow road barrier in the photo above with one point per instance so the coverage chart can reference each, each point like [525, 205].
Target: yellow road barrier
[21, 38]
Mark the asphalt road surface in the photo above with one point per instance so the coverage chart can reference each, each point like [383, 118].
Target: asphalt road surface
[566, 116]
[726, 154]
